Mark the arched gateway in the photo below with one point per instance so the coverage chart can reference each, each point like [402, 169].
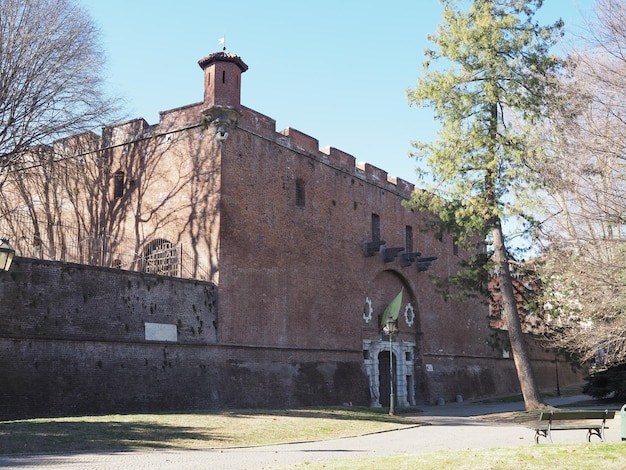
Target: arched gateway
[381, 354]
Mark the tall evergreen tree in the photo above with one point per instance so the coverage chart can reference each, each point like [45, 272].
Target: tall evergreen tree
[493, 79]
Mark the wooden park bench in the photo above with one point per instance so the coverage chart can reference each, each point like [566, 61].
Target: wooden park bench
[594, 421]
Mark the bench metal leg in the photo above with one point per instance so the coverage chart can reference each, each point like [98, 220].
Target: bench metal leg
[545, 433]
[595, 432]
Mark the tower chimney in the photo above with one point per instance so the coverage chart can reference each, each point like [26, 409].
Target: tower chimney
[222, 79]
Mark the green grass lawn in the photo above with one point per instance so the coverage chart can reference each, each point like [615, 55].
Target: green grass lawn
[198, 430]
[232, 428]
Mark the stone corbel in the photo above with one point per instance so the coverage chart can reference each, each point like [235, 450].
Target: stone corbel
[220, 119]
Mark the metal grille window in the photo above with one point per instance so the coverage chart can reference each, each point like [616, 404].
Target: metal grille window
[161, 257]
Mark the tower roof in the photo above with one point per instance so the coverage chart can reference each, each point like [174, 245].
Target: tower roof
[222, 57]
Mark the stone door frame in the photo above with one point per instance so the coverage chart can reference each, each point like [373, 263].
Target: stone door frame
[404, 351]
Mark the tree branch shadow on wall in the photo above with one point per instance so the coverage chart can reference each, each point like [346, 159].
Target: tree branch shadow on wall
[103, 200]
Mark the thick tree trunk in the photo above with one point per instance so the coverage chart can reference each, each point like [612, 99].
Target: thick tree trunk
[525, 374]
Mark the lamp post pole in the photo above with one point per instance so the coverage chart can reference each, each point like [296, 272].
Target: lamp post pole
[392, 328]
[556, 367]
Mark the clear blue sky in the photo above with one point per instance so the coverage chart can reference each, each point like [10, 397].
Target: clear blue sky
[335, 70]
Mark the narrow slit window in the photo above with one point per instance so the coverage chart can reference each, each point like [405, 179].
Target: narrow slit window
[375, 227]
[408, 238]
[300, 193]
[118, 184]
[224, 76]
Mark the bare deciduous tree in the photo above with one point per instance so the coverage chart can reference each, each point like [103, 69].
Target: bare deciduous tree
[584, 212]
[50, 76]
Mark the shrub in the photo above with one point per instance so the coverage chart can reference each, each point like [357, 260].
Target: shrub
[607, 383]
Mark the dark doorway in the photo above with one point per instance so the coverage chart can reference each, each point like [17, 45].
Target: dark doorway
[383, 377]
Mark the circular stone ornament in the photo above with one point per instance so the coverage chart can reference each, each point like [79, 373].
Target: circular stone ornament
[409, 314]
[367, 310]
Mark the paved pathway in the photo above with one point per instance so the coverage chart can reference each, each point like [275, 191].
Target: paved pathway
[448, 427]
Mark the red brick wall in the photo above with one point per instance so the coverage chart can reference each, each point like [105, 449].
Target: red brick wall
[72, 341]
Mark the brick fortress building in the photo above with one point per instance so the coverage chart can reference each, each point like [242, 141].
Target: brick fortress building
[304, 248]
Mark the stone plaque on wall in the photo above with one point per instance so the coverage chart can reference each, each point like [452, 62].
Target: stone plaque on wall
[161, 332]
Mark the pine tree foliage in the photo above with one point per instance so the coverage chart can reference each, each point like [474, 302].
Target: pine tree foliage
[494, 77]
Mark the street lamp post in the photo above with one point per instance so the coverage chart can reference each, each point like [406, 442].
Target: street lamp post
[6, 254]
[556, 367]
[391, 328]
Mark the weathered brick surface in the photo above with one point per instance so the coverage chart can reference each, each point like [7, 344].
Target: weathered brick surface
[74, 302]
[73, 342]
[278, 225]
[55, 377]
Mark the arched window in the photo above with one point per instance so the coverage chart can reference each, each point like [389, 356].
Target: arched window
[160, 256]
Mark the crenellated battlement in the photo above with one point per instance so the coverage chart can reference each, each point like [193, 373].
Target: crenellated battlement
[294, 139]
[177, 119]
[222, 87]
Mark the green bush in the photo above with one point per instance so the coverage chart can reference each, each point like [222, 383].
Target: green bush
[607, 383]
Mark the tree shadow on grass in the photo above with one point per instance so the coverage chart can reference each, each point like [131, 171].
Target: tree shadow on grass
[77, 436]
[161, 431]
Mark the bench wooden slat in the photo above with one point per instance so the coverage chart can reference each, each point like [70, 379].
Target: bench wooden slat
[565, 426]
[559, 415]
[594, 421]
[577, 426]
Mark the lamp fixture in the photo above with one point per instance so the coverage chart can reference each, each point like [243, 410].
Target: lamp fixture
[6, 254]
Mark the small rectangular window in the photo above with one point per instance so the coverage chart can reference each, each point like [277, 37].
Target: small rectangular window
[300, 193]
[375, 227]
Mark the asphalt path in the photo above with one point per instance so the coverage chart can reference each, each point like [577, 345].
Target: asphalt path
[454, 426]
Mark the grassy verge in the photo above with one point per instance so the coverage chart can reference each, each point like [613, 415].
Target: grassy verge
[607, 456]
[191, 430]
